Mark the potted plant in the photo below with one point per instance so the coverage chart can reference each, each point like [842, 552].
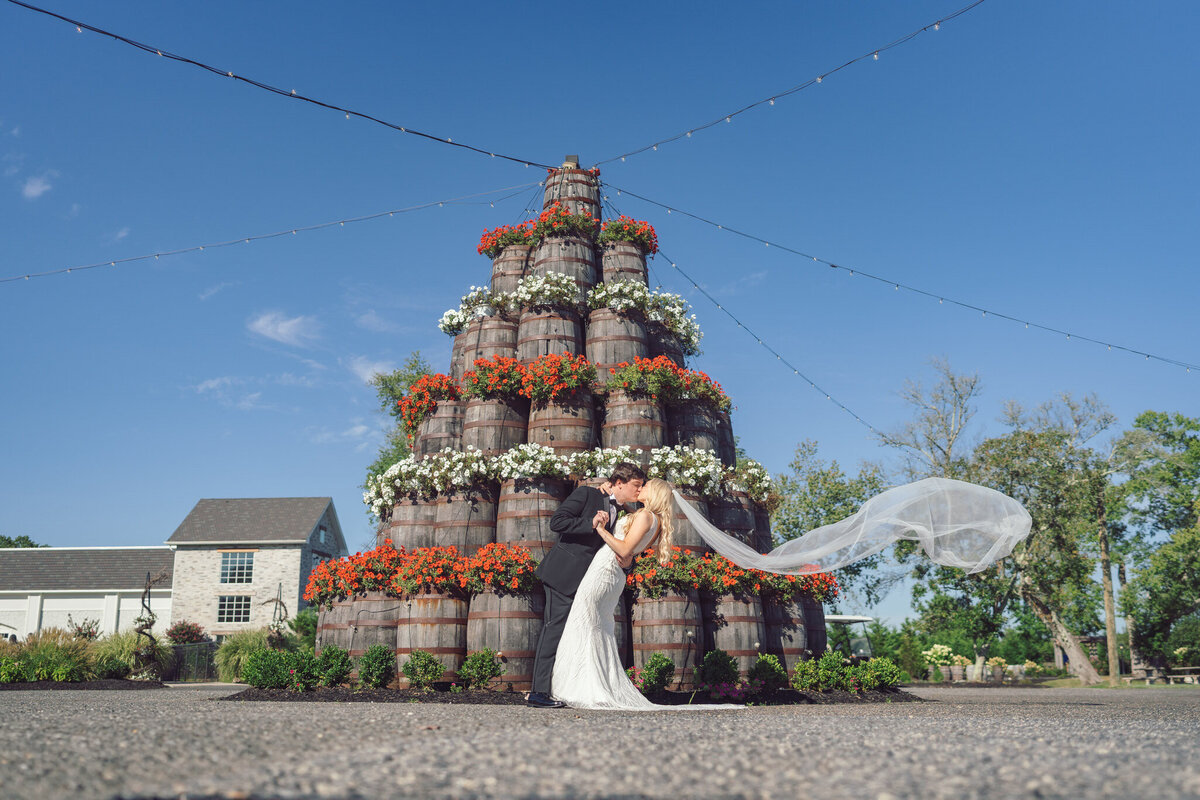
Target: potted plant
[557, 221]
[496, 415]
[422, 400]
[623, 229]
[937, 657]
[493, 242]
[958, 664]
[998, 665]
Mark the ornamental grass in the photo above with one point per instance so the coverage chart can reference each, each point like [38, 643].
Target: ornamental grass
[495, 378]
[557, 378]
[422, 400]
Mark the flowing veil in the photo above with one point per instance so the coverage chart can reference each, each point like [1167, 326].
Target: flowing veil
[957, 524]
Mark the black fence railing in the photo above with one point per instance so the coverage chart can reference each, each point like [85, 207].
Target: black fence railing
[193, 662]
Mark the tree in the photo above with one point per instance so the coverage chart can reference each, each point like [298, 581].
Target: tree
[930, 443]
[390, 388]
[1166, 589]
[816, 493]
[19, 541]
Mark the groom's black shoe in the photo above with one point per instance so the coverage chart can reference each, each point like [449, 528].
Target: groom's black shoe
[543, 700]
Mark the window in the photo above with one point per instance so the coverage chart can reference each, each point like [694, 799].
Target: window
[322, 531]
[237, 567]
[233, 608]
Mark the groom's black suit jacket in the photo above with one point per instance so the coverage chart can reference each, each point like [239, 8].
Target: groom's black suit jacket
[567, 561]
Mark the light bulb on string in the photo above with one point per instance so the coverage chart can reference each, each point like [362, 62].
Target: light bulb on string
[876, 56]
[937, 26]
[729, 119]
[771, 101]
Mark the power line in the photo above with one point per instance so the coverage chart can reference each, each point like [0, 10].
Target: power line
[762, 343]
[770, 99]
[286, 232]
[898, 285]
[292, 94]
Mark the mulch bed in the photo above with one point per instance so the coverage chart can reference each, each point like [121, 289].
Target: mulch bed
[107, 683]
[488, 697]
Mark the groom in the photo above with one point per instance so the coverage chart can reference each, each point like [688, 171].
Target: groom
[575, 522]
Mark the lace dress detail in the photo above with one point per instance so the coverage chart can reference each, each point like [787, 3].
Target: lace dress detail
[587, 666]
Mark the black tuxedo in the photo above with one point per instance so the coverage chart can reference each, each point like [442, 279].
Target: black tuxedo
[562, 569]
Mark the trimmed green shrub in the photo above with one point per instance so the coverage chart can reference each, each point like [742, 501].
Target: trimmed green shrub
[422, 669]
[829, 670]
[121, 647]
[232, 654]
[108, 667]
[884, 673]
[479, 668]
[304, 671]
[334, 664]
[718, 668]
[804, 677]
[12, 670]
[266, 669]
[657, 674]
[769, 671]
[377, 666]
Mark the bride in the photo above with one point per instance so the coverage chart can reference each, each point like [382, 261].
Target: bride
[957, 524]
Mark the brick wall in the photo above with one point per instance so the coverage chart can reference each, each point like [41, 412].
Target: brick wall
[197, 585]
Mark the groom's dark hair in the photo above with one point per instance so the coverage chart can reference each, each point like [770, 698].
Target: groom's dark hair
[624, 472]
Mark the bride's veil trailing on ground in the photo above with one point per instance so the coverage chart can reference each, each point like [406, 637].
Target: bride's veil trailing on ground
[957, 524]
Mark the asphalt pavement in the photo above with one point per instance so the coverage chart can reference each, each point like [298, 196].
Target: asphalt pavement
[966, 743]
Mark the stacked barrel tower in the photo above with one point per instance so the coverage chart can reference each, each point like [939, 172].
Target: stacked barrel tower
[517, 510]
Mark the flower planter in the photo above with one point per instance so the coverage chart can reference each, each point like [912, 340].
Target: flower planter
[485, 337]
[466, 519]
[576, 189]
[614, 337]
[356, 623]
[685, 535]
[786, 625]
[493, 426]
[412, 522]
[998, 674]
[956, 672]
[622, 261]
[524, 510]
[567, 425]
[441, 429]
[733, 513]
[734, 624]
[671, 625]
[570, 256]
[552, 332]
[435, 623]
[661, 342]
[636, 422]
[509, 267]
[510, 625]
[693, 424]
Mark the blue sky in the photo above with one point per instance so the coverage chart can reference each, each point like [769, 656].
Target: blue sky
[1034, 159]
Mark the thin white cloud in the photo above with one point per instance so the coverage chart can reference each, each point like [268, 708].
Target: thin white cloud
[16, 131]
[288, 379]
[113, 238]
[214, 384]
[12, 163]
[747, 281]
[364, 367]
[210, 291]
[36, 186]
[371, 321]
[250, 402]
[298, 331]
[358, 434]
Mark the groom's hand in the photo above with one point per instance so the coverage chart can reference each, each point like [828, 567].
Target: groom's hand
[600, 519]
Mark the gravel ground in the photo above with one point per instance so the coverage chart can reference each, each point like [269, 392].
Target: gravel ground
[973, 743]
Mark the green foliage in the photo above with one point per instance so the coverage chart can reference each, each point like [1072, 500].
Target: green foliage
[304, 626]
[186, 632]
[480, 668]
[231, 656]
[389, 389]
[1183, 645]
[829, 669]
[815, 493]
[111, 667]
[12, 670]
[422, 669]
[882, 672]
[657, 674]
[804, 677]
[304, 671]
[122, 646]
[55, 652]
[334, 665]
[265, 669]
[717, 668]
[19, 541]
[377, 666]
[769, 671]
[87, 628]
[1166, 589]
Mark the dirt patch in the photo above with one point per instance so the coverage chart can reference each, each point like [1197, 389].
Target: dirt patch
[107, 683]
[488, 697]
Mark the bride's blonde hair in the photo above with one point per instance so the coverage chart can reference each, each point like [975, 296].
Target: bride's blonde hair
[658, 501]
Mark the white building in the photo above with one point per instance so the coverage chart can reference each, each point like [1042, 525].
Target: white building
[224, 566]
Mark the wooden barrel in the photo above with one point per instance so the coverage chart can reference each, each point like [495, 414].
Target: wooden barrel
[441, 429]
[412, 522]
[551, 332]
[734, 514]
[763, 541]
[671, 625]
[435, 623]
[510, 625]
[524, 510]
[662, 342]
[466, 519]
[734, 624]
[485, 337]
[568, 426]
[576, 189]
[623, 261]
[685, 535]
[726, 444]
[637, 422]
[331, 625]
[786, 627]
[509, 267]
[614, 337]
[570, 256]
[495, 426]
[692, 425]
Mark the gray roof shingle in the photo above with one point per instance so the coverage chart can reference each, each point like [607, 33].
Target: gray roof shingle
[82, 568]
[251, 519]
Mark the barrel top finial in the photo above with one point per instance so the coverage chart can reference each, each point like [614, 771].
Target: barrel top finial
[571, 162]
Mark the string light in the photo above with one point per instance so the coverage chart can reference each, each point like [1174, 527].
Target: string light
[770, 99]
[942, 299]
[79, 26]
[285, 232]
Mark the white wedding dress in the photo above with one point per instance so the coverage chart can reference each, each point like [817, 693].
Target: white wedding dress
[587, 666]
